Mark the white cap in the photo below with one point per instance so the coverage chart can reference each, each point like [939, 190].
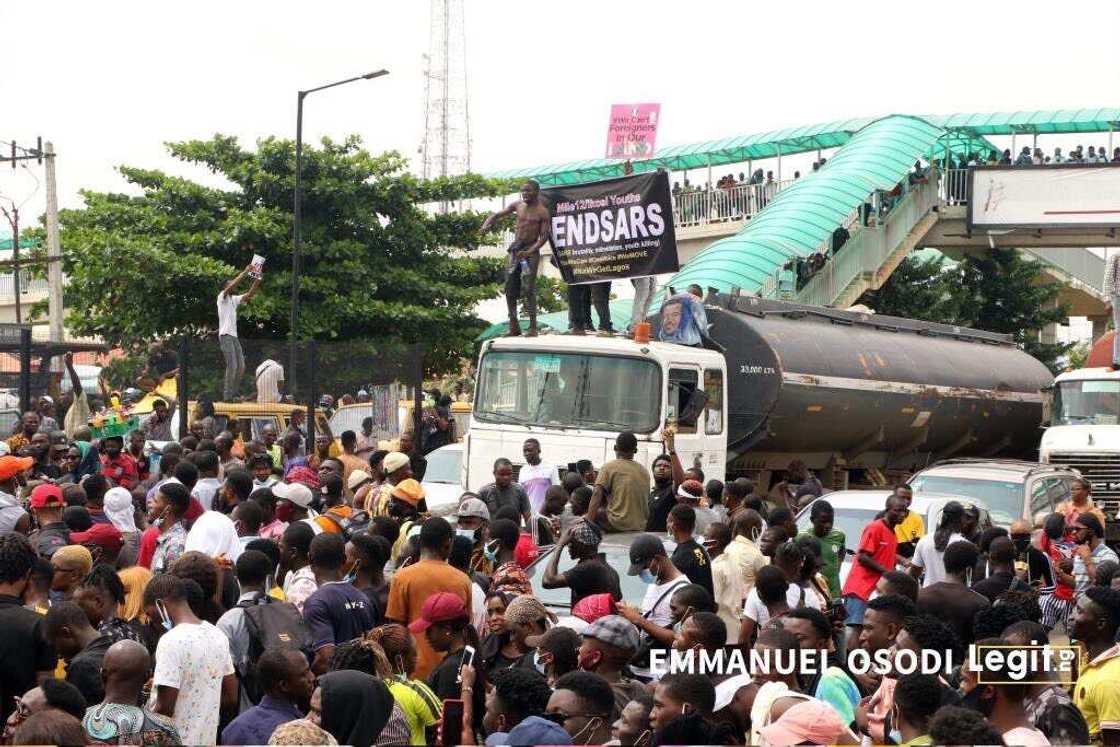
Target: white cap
[293, 492]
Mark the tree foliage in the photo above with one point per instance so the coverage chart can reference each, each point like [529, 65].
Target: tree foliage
[997, 291]
[378, 263]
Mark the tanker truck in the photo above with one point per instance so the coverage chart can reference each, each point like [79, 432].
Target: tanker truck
[842, 391]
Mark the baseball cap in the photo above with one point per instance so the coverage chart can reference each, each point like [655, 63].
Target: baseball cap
[440, 607]
[105, 536]
[357, 477]
[47, 496]
[293, 492]
[614, 630]
[809, 722]
[58, 440]
[531, 730]
[475, 507]
[10, 466]
[393, 461]
[643, 549]
[410, 491]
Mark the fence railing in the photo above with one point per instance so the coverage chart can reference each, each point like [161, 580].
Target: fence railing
[719, 205]
[954, 186]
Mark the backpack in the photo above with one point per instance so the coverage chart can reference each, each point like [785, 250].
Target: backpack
[356, 523]
[271, 624]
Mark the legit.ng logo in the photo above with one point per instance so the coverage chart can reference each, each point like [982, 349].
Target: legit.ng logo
[1020, 665]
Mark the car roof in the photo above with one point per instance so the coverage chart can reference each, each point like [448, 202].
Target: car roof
[458, 446]
[1006, 470]
[875, 499]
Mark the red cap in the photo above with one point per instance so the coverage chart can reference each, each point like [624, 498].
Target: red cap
[440, 607]
[47, 496]
[106, 536]
[526, 550]
[594, 606]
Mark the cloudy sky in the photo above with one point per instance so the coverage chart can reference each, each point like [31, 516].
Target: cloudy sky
[110, 82]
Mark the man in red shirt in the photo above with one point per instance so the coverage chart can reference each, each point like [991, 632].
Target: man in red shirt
[878, 549]
[117, 465]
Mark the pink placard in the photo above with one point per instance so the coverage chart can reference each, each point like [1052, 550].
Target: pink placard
[633, 130]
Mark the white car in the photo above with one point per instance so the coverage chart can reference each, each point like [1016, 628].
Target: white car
[441, 482]
[855, 509]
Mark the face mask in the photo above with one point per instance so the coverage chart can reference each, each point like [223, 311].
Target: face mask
[896, 736]
[968, 577]
[756, 535]
[646, 576]
[589, 730]
[587, 662]
[164, 617]
[1022, 544]
[491, 552]
[353, 574]
[540, 665]
[468, 533]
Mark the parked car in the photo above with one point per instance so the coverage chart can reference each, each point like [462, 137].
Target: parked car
[616, 548]
[1011, 489]
[441, 480]
[855, 509]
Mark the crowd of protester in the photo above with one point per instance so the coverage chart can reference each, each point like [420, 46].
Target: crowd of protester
[275, 591]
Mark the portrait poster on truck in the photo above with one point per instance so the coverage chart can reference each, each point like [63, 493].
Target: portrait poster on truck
[612, 229]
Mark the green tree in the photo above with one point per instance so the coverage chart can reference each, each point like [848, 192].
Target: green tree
[917, 289]
[552, 294]
[997, 291]
[378, 264]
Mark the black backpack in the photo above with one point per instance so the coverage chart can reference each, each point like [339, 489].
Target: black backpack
[271, 624]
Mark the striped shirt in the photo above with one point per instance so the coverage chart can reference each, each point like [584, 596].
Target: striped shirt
[269, 375]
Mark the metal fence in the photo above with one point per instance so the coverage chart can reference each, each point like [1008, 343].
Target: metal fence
[334, 386]
[702, 207]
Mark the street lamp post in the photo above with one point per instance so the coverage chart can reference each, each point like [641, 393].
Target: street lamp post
[297, 238]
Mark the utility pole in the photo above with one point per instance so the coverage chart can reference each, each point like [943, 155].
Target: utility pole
[13, 221]
[54, 251]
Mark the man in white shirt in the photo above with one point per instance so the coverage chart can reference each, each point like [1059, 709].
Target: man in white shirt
[194, 680]
[269, 375]
[535, 476]
[227, 332]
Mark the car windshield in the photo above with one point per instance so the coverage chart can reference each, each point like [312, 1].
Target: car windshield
[1003, 499]
[443, 466]
[1095, 402]
[569, 390]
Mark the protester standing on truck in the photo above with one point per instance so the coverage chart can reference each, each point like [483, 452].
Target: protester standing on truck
[532, 232]
[1111, 288]
[227, 331]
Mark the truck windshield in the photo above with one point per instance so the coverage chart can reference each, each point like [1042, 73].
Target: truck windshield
[1096, 402]
[568, 390]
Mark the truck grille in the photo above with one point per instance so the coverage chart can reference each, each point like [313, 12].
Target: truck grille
[1101, 469]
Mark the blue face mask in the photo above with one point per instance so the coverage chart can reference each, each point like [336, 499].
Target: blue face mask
[491, 554]
[537, 661]
[165, 618]
[647, 576]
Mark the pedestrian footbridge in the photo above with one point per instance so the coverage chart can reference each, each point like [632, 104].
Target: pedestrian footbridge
[842, 229]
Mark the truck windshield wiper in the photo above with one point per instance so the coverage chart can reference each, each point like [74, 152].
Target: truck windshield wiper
[507, 417]
[606, 423]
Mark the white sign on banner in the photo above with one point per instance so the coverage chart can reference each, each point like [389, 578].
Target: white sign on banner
[1045, 196]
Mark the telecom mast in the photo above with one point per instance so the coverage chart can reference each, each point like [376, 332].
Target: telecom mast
[446, 149]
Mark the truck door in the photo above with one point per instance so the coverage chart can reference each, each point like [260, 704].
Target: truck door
[685, 407]
[715, 425]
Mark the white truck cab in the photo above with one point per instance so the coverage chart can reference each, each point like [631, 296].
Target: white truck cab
[1084, 431]
[575, 394]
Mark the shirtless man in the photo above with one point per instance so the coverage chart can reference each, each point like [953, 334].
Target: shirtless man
[524, 253]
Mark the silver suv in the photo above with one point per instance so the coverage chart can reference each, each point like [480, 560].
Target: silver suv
[1011, 489]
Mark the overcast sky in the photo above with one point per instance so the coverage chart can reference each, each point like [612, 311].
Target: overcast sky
[110, 82]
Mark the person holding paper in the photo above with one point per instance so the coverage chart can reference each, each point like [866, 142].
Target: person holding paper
[227, 331]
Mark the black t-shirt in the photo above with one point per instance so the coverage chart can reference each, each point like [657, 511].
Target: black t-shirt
[51, 537]
[692, 560]
[84, 670]
[592, 576]
[1038, 566]
[23, 650]
[997, 583]
[661, 502]
[379, 601]
[953, 604]
[336, 613]
[443, 678]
